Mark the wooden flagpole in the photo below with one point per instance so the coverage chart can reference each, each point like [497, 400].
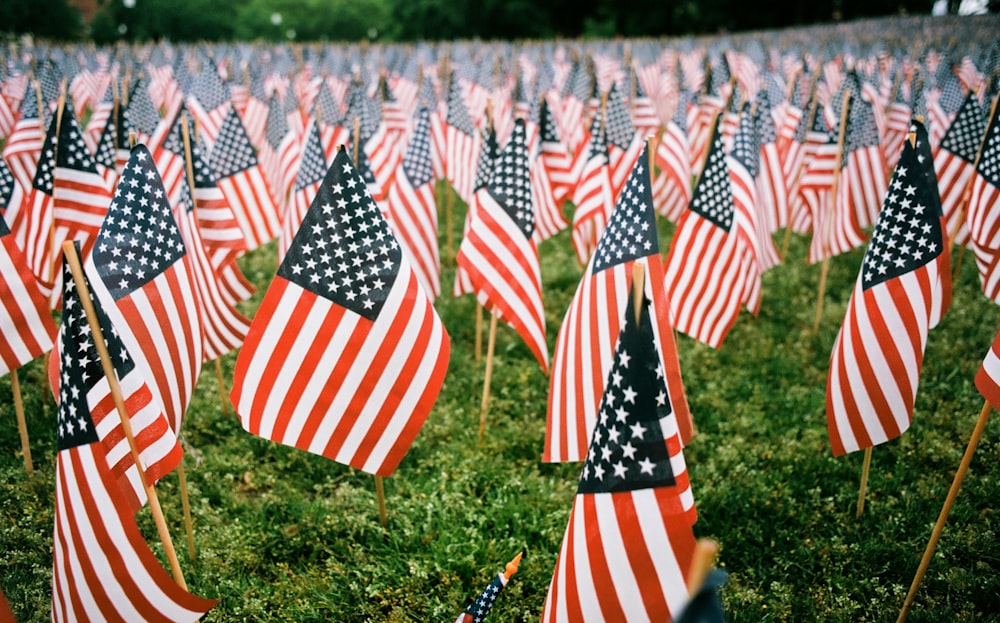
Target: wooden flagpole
[865, 469]
[479, 333]
[22, 427]
[69, 250]
[181, 474]
[833, 205]
[486, 379]
[379, 485]
[963, 468]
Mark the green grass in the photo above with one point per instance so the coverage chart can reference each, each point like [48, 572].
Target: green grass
[282, 535]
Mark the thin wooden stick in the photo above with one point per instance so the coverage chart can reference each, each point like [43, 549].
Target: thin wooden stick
[116, 393]
[638, 287]
[963, 468]
[383, 517]
[22, 426]
[865, 468]
[186, 507]
[223, 399]
[489, 373]
[833, 204]
[705, 551]
[479, 332]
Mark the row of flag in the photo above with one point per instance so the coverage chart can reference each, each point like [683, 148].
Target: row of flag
[346, 354]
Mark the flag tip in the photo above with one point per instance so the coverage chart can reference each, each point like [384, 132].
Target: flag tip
[511, 567]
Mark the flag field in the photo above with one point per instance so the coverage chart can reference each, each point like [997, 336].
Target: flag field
[285, 535]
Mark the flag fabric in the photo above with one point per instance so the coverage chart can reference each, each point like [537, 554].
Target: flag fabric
[672, 184]
[102, 568]
[983, 217]
[346, 354]
[80, 194]
[6, 614]
[220, 231]
[462, 145]
[141, 272]
[744, 168]
[988, 376]
[623, 139]
[902, 291]
[593, 195]
[24, 145]
[955, 163]
[479, 609]
[709, 272]
[36, 218]
[498, 252]
[772, 187]
[628, 546]
[585, 346]
[413, 209]
[79, 385]
[223, 326]
[312, 170]
[26, 326]
[239, 176]
[551, 176]
[862, 182]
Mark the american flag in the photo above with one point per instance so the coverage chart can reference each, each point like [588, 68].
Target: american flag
[102, 568]
[707, 270]
[209, 101]
[312, 170]
[223, 326]
[479, 609]
[862, 182]
[112, 149]
[80, 194]
[36, 219]
[462, 145]
[585, 346]
[220, 232]
[897, 125]
[988, 376]
[902, 291]
[7, 117]
[279, 154]
[772, 187]
[24, 145]
[255, 113]
[744, 167]
[593, 195]
[551, 177]
[141, 273]
[141, 115]
[624, 141]
[489, 151]
[99, 115]
[672, 183]
[78, 382]
[413, 210]
[982, 215]
[239, 176]
[26, 326]
[955, 163]
[169, 155]
[628, 546]
[499, 253]
[346, 354]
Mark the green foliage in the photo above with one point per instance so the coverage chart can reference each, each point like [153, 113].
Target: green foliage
[58, 21]
[283, 535]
